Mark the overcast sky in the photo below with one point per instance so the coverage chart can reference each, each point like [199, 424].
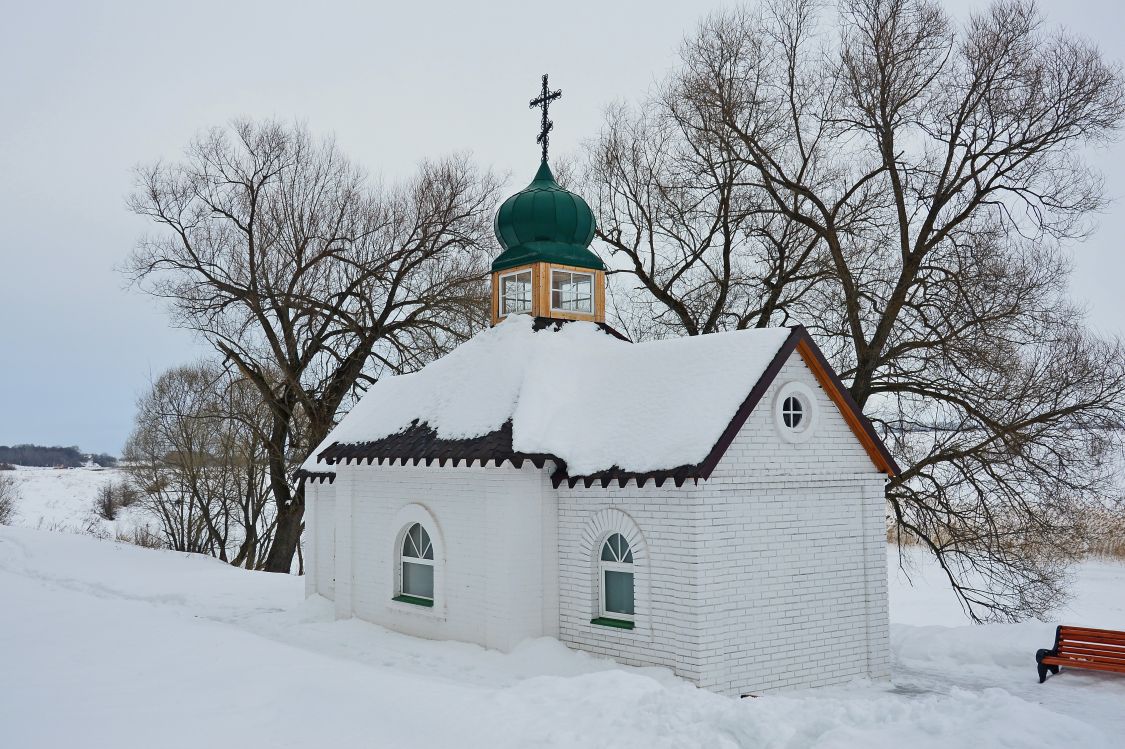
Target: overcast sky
[91, 89]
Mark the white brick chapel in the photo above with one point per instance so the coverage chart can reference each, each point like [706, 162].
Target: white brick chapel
[711, 504]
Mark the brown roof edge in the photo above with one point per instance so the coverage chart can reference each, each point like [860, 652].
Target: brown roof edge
[842, 397]
[800, 340]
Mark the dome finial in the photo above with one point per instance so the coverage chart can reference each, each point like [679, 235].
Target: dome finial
[547, 268]
[546, 96]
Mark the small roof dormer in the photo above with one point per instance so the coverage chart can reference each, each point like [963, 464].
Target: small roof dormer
[547, 268]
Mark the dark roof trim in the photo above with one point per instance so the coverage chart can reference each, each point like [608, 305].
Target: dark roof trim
[542, 323]
[319, 476]
[748, 405]
[420, 443]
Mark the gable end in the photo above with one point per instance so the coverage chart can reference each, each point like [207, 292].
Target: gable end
[800, 341]
[860, 425]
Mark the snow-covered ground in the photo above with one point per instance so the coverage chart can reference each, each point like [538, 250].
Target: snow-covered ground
[104, 644]
[63, 500]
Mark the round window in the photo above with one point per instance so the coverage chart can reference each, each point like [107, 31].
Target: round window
[792, 412]
[795, 411]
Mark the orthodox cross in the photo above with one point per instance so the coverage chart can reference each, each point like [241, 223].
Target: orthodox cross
[545, 98]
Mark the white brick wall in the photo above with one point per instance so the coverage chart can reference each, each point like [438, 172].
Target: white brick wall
[758, 450]
[770, 575]
[799, 593]
[493, 533]
[320, 526]
[665, 575]
[309, 545]
[794, 586]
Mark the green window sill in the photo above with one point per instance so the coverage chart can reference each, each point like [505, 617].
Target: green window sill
[414, 600]
[603, 621]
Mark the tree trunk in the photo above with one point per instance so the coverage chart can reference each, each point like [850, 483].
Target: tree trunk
[287, 535]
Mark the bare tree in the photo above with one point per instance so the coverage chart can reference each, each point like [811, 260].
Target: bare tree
[9, 497]
[709, 252]
[243, 423]
[113, 496]
[105, 502]
[171, 458]
[307, 280]
[199, 458]
[936, 171]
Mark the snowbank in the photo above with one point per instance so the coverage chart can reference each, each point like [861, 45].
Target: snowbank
[109, 645]
[578, 393]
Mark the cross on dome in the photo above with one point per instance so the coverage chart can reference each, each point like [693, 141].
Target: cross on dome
[547, 269]
[544, 100]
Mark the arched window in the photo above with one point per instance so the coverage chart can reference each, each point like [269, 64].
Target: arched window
[416, 567]
[615, 575]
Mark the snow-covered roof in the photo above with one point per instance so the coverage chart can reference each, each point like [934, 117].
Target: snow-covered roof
[578, 395]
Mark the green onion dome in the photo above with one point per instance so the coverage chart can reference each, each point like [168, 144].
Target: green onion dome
[545, 223]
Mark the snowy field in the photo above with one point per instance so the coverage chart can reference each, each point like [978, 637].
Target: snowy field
[103, 644]
[63, 500]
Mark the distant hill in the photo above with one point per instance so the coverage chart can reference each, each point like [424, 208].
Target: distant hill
[41, 455]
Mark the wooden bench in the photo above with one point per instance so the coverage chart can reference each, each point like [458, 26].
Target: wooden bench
[1082, 647]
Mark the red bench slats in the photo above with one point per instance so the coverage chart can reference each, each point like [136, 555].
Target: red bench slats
[1078, 660]
[1094, 635]
[1094, 639]
[1093, 630]
[1110, 647]
[1117, 669]
[1083, 647]
[1066, 649]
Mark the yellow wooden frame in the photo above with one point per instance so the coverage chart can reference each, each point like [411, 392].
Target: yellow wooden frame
[541, 292]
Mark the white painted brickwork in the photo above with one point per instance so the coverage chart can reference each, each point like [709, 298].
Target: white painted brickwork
[771, 574]
[666, 583]
[802, 600]
[768, 576]
[321, 565]
[310, 545]
[494, 571]
[758, 450]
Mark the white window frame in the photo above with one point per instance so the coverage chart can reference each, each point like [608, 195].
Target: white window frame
[603, 567]
[551, 291]
[809, 412]
[501, 299]
[403, 559]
